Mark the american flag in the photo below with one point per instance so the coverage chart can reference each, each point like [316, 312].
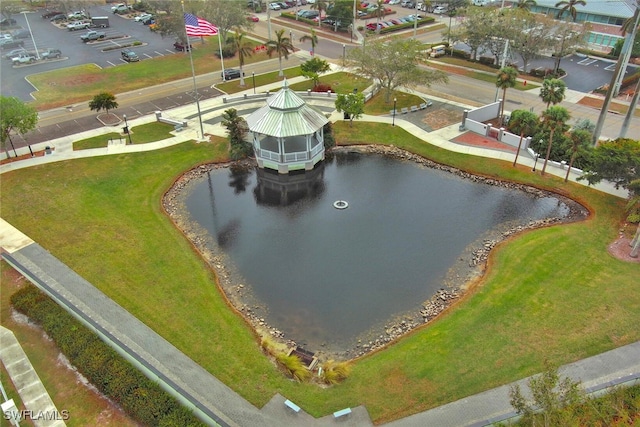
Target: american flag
[198, 27]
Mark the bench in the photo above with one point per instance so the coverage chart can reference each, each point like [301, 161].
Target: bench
[404, 110]
[178, 128]
[342, 413]
[425, 105]
[414, 108]
[295, 408]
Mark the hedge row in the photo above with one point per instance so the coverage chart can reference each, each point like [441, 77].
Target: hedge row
[141, 398]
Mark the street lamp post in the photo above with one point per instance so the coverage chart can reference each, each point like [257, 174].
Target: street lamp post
[393, 120]
[344, 53]
[291, 37]
[253, 76]
[31, 34]
[535, 162]
[126, 128]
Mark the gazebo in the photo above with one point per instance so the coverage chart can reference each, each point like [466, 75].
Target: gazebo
[287, 134]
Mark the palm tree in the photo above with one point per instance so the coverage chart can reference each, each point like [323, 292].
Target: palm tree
[506, 78]
[244, 49]
[525, 4]
[379, 13]
[103, 101]
[569, 5]
[553, 118]
[282, 46]
[580, 140]
[552, 91]
[313, 38]
[320, 6]
[237, 129]
[524, 123]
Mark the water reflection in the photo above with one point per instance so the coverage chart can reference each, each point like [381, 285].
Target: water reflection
[328, 275]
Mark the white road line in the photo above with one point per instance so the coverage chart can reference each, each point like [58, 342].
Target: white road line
[161, 54]
[587, 61]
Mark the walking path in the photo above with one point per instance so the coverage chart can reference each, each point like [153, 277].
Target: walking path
[209, 398]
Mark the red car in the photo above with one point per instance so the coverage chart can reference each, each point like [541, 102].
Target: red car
[253, 18]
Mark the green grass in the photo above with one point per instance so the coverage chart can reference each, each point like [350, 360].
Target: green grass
[378, 104]
[479, 71]
[554, 293]
[142, 134]
[340, 82]
[233, 86]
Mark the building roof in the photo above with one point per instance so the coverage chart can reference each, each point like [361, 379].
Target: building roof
[286, 114]
[615, 8]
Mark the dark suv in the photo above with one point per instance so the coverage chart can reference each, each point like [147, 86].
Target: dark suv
[129, 55]
[230, 74]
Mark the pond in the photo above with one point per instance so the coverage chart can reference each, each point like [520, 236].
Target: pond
[328, 278]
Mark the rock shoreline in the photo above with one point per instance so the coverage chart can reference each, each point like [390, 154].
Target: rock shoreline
[471, 264]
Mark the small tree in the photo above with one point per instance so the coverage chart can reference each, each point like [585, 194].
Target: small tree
[552, 91]
[103, 101]
[237, 129]
[580, 142]
[313, 38]
[282, 46]
[351, 104]
[550, 396]
[506, 78]
[522, 122]
[553, 118]
[313, 68]
[15, 116]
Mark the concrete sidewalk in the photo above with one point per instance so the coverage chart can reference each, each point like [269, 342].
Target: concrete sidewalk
[199, 390]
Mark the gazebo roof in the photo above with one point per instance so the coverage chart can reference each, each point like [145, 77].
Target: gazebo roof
[286, 114]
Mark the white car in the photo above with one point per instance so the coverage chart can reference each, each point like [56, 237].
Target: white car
[439, 10]
[274, 6]
[143, 17]
[77, 14]
[394, 1]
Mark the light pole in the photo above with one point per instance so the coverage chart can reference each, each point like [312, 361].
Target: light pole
[344, 53]
[126, 128]
[253, 76]
[31, 34]
[535, 162]
[393, 120]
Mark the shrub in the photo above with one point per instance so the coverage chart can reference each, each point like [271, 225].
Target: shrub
[487, 60]
[293, 365]
[322, 88]
[116, 378]
[334, 372]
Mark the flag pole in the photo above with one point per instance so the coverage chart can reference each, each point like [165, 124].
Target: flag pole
[221, 58]
[193, 74]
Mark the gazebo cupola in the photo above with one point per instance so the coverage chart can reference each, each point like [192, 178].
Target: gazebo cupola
[287, 134]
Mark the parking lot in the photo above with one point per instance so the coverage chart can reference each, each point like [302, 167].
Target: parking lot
[105, 53]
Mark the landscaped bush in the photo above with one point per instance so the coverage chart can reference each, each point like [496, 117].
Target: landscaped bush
[487, 60]
[116, 378]
[293, 365]
[322, 88]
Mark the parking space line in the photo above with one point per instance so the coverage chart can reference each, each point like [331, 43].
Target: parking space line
[587, 61]
[160, 54]
[610, 67]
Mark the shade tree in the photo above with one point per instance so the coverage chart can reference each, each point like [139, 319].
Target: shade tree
[392, 63]
[103, 101]
[313, 68]
[351, 104]
[16, 117]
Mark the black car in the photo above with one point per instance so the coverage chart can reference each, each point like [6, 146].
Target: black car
[7, 22]
[11, 43]
[58, 17]
[182, 47]
[50, 14]
[21, 34]
[230, 74]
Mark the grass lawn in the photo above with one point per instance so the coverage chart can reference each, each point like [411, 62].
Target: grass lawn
[553, 293]
[378, 105]
[150, 132]
[340, 82]
[479, 71]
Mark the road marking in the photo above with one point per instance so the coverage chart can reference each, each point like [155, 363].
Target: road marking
[161, 54]
[147, 55]
[587, 61]
[111, 63]
[610, 67]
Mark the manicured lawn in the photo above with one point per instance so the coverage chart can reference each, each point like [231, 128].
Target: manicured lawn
[340, 82]
[378, 104]
[149, 132]
[554, 293]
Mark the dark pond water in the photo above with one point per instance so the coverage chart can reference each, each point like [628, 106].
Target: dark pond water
[328, 275]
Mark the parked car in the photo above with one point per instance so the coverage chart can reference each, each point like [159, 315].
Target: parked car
[58, 17]
[10, 43]
[182, 47]
[439, 10]
[7, 22]
[149, 21]
[274, 6]
[21, 34]
[50, 14]
[143, 17]
[230, 74]
[51, 53]
[90, 36]
[129, 55]
[121, 9]
[253, 18]
[78, 25]
[78, 14]
[23, 58]
[13, 53]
